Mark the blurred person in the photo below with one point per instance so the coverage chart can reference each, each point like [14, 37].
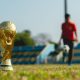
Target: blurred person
[68, 35]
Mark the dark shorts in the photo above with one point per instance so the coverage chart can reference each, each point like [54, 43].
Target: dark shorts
[70, 43]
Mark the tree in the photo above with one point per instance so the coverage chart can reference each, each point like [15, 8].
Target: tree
[24, 38]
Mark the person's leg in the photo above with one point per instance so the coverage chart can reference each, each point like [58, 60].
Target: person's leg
[70, 52]
[65, 42]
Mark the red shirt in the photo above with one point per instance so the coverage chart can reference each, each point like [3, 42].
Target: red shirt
[68, 30]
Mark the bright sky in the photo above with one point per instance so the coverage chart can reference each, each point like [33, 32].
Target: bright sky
[39, 16]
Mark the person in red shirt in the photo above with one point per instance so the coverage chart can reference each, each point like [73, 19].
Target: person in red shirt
[69, 35]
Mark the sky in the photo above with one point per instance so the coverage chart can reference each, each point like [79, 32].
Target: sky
[39, 16]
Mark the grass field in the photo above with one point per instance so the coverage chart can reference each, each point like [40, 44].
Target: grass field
[42, 72]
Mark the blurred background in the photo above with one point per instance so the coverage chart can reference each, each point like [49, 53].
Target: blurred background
[38, 22]
[39, 16]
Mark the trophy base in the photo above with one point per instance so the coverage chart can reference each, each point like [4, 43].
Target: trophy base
[6, 68]
[6, 65]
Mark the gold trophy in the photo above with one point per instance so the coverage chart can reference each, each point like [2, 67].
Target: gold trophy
[7, 36]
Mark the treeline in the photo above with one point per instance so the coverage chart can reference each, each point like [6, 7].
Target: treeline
[24, 38]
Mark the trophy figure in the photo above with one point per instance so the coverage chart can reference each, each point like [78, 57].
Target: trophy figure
[7, 36]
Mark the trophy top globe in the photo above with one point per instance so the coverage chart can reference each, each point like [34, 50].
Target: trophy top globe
[8, 25]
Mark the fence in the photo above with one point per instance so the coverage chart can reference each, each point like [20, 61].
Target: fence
[28, 55]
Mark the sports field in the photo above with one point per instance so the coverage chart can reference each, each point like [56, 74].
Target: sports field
[42, 72]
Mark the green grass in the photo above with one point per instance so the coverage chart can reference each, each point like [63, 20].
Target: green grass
[42, 72]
